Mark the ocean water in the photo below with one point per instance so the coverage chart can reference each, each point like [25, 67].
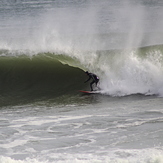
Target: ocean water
[45, 47]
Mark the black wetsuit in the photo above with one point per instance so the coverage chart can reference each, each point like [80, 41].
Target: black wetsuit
[94, 78]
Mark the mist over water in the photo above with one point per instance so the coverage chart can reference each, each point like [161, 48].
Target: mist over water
[91, 25]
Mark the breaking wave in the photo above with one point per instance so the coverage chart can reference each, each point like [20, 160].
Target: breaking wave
[27, 77]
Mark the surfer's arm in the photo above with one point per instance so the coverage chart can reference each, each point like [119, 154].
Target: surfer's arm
[87, 79]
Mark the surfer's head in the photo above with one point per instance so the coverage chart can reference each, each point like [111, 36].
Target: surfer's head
[87, 72]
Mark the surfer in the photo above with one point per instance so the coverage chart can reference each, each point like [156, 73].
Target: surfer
[95, 79]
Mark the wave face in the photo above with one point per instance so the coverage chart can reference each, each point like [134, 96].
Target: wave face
[25, 79]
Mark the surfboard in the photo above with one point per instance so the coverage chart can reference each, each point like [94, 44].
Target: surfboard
[89, 92]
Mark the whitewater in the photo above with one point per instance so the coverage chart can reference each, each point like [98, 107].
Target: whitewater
[45, 49]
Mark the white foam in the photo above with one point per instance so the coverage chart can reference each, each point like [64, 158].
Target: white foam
[116, 156]
[132, 74]
[10, 160]
[14, 144]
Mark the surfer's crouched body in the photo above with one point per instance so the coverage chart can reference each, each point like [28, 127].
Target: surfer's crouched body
[95, 79]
